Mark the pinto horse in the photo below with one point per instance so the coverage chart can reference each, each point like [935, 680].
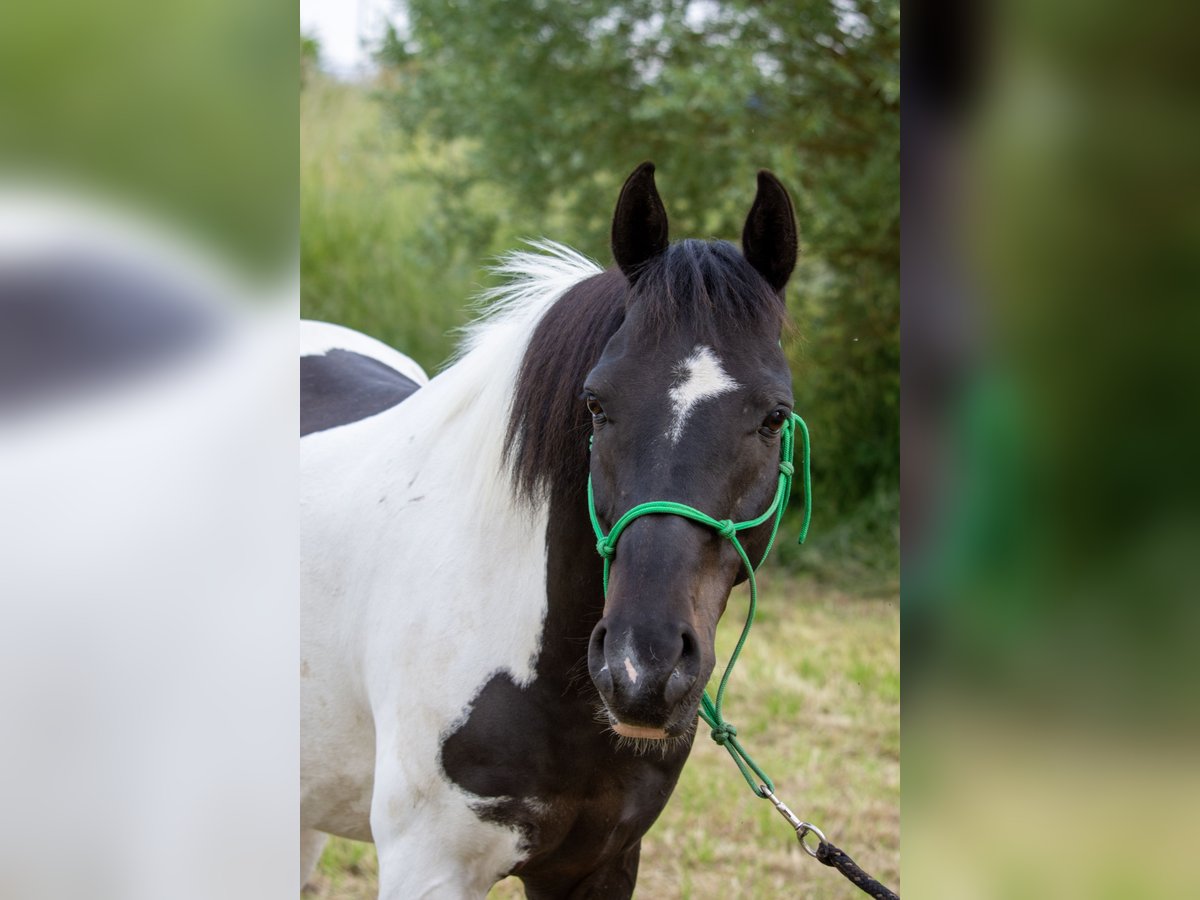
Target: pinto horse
[472, 699]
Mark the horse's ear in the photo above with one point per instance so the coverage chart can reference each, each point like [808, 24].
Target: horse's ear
[639, 229]
[769, 238]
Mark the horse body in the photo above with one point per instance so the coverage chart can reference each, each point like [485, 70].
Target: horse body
[453, 607]
[399, 640]
[396, 643]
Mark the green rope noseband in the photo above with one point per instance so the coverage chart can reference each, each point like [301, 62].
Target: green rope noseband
[723, 732]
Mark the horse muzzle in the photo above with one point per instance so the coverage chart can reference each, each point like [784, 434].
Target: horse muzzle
[649, 679]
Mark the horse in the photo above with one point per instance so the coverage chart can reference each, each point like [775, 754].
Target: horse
[473, 699]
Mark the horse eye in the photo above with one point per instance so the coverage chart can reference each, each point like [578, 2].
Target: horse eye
[774, 422]
[594, 406]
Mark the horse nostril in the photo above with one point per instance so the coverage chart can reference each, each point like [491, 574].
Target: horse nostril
[690, 655]
[690, 649]
[597, 664]
[596, 645]
[678, 685]
[686, 670]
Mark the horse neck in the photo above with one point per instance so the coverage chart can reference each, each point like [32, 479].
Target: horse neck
[483, 385]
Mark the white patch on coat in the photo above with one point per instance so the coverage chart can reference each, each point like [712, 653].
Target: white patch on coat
[417, 557]
[698, 377]
[631, 671]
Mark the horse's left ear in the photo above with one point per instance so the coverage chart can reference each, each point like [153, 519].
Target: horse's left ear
[639, 229]
[769, 239]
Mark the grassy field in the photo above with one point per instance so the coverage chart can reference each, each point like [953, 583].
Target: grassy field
[816, 699]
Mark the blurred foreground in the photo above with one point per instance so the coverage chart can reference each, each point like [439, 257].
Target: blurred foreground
[147, 447]
[147, 557]
[1051, 514]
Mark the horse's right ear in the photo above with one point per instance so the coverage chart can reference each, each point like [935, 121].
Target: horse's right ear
[639, 229]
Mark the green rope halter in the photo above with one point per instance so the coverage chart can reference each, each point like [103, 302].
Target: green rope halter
[723, 732]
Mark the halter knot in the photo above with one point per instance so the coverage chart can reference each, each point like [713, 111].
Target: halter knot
[786, 467]
[722, 734]
[725, 529]
[605, 549]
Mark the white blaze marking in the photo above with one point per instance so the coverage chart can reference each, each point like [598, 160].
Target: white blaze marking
[700, 376]
[631, 671]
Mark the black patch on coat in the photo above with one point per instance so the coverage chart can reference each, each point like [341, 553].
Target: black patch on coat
[341, 386]
[536, 756]
[592, 799]
[78, 324]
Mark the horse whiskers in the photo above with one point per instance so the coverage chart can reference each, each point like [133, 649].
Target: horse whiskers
[578, 674]
[644, 746]
[639, 746]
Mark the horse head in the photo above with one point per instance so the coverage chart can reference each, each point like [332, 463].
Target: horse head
[688, 402]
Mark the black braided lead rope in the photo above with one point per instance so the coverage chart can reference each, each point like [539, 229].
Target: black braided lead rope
[837, 859]
[826, 852]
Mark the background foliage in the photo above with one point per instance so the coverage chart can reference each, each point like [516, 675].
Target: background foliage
[515, 118]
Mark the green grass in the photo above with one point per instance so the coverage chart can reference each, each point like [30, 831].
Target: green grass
[816, 699]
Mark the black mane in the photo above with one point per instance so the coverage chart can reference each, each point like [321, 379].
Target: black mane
[706, 286]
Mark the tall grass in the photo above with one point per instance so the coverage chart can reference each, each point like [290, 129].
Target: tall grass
[376, 252]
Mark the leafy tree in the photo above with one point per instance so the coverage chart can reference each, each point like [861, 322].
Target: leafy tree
[557, 102]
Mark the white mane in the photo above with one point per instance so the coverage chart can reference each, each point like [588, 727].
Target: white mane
[474, 392]
[535, 280]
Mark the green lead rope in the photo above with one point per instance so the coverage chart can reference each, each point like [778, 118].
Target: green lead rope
[723, 732]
